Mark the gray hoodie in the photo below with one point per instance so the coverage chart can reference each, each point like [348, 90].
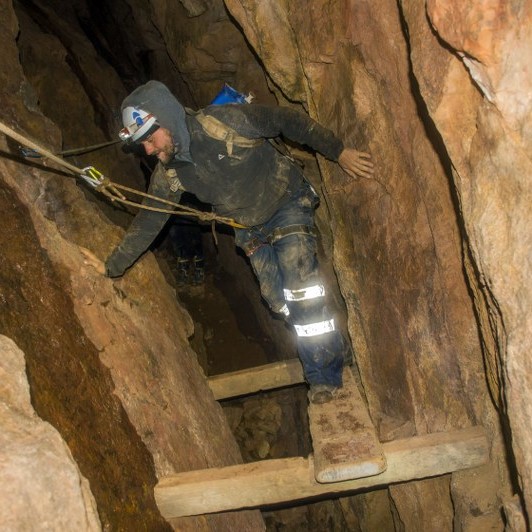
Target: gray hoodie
[154, 97]
[249, 186]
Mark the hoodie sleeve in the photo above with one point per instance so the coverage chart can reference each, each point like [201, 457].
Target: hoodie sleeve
[262, 121]
[145, 227]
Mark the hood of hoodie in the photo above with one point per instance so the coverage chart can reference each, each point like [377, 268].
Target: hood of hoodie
[154, 97]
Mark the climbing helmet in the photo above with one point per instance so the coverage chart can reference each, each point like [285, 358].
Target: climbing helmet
[138, 124]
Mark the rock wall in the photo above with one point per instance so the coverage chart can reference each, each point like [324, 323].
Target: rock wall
[109, 363]
[482, 107]
[208, 49]
[41, 484]
[431, 256]
[436, 247]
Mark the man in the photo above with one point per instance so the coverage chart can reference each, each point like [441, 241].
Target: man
[223, 156]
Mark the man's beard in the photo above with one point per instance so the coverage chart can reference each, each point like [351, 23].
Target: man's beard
[166, 154]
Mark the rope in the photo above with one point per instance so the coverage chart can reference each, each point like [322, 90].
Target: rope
[85, 149]
[45, 153]
[111, 190]
[26, 152]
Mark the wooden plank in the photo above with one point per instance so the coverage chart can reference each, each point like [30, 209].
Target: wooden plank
[285, 480]
[344, 439]
[253, 380]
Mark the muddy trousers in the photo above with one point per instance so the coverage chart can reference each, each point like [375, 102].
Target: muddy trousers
[283, 255]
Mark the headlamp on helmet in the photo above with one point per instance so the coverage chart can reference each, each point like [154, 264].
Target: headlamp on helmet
[138, 124]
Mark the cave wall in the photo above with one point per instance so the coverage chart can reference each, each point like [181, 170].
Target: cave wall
[482, 106]
[207, 47]
[33, 452]
[129, 398]
[432, 255]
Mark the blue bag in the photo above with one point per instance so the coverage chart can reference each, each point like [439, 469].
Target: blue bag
[230, 95]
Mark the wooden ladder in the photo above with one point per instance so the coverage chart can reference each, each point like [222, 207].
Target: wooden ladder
[347, 453]
[343, 436]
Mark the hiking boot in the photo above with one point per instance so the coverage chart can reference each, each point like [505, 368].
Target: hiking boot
[182, 272]
[198, 273]
[321, 393]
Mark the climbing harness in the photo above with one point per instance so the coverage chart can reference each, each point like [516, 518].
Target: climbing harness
[257, 242]
[104, 185]
[295, 229]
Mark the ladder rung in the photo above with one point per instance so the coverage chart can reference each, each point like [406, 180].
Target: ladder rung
[269, 482]
[253, 380]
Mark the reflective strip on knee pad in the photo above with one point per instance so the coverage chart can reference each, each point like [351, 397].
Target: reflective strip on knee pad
[311, 292]
[315, 329]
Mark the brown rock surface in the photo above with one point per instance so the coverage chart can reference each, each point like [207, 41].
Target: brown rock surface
[41, 487]
[432, 257]
[398, 239]
[208, 50]
[489, 146]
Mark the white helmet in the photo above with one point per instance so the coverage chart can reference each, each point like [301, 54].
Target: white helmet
[138, 124]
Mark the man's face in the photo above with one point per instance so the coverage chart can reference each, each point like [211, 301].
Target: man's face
[160, 144]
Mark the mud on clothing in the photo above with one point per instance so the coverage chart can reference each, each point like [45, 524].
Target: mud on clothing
[257, 187]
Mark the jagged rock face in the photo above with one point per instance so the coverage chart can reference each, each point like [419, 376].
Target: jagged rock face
[450, 194]
[491, 171]
[41, 484]
[208, 48]
[432, 256]
[109, 363]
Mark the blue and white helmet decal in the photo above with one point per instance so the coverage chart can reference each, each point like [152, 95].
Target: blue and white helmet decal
[137, 124]
[167, 111]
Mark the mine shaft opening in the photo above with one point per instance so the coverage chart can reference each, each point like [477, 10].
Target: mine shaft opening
[235, 330]
[222, 300]
[411, 259]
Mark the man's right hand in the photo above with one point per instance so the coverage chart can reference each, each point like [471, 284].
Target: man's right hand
[356, 163]
[92, 260]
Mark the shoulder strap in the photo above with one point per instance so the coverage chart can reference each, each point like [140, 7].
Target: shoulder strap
[216, 129]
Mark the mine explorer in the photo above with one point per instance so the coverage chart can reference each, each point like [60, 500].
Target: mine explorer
[223, 155]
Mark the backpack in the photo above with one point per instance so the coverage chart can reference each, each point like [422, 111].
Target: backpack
[216, 129]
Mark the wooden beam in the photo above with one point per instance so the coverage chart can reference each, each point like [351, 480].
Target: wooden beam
[291, 479]
[344, 439]
[253, 380]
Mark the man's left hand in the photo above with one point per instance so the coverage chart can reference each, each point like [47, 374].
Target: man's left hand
[90, 259]
[356, 163]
